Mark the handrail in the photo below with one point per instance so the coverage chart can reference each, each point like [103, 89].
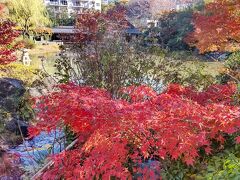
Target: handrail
[50, 163]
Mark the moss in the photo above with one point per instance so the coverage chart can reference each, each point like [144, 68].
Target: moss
[18, 71]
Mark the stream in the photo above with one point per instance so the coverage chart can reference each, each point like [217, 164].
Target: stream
[33, 153]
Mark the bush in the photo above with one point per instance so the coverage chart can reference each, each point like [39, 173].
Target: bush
[28, 43]
[171, 30]
[120, 136]
[103, 57]
[222, 165]
[18, 71]
[232, 73]
[232, 69]
[225, 166]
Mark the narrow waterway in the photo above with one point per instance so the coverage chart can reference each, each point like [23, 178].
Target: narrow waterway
[33, 153]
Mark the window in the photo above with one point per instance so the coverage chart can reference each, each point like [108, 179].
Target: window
[77, 3]
[64, 3]
[53, 1]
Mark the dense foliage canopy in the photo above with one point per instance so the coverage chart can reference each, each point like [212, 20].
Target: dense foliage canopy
[171, 30]
[116, 136]
[116, 101]
[28, 14]
[8, 34]
[216, 27]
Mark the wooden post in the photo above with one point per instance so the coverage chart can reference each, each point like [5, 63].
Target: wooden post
[38, 175]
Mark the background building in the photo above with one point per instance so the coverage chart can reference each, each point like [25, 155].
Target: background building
[159, 6]
[105, 2]
[73, 6]
[143, 13]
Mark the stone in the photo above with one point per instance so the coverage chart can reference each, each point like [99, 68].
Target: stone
[14, 124]
[11, 91]
[43, 88]
[25, 58]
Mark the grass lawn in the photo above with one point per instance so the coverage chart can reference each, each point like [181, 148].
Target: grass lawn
[211, 68]
[44, 49]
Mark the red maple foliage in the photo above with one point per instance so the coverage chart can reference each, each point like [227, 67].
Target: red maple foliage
[8, 166]
[116, 136]
[8, 34]
[93, 26]
[216, 27]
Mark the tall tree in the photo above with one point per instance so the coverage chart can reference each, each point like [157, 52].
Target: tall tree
[139, 12]
[156, 7]
[171, 30]
[28, 14]
[217, 27]
[62, 18]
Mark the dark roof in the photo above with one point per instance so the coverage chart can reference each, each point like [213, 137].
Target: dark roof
[63, 30]
[70, 30]
[132, 31]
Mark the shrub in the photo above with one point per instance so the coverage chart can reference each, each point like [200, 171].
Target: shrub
[28, 43]
[8, 34]
[117, 136]
[232, 69]
[103, 57]
[18, 71]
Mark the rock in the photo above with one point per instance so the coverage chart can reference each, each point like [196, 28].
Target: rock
[13, 126]
[11, 91]
[38, 92]
[11, 103]
[42, 88]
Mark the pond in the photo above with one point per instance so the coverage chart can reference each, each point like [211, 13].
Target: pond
[48, 64]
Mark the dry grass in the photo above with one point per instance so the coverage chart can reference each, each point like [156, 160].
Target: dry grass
[210, 68]
[44, 49]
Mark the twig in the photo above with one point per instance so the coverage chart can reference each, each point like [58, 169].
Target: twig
[44, 69]
[50, 163]
[24, 143]
[214, 59]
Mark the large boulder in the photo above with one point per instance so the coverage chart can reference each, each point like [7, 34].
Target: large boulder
[43, 87]
[11, 91]
[18, 126]
[12, 125]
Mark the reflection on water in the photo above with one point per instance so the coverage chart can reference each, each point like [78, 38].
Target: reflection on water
[48, 63]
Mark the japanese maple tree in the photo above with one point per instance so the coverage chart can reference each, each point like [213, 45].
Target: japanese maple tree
[105, 54]
[8, 34]
[216, 27]
[115, 136]
[94, 26]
